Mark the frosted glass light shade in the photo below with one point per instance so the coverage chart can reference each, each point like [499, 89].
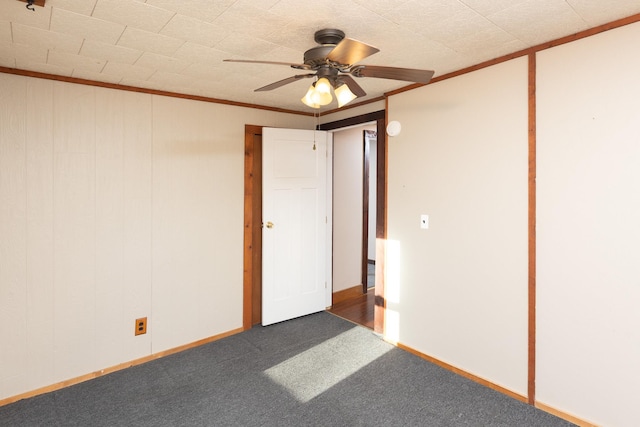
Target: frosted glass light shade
[308, 98]
[344, 95]
[323, 85]
[322, 92]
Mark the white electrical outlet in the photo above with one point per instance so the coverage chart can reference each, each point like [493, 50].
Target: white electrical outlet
[424, 221]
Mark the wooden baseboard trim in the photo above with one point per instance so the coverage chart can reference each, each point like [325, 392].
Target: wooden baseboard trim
[546, 408]
[119, 367]
[346, 294]
[567, 417]
[465, 374]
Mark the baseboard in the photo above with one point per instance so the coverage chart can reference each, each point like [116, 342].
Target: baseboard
[567, 417]
[346, 294]
[77, 380]
[119, 367]
[464, 373]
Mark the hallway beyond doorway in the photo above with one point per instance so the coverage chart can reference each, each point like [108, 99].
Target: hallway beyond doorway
[357, 310]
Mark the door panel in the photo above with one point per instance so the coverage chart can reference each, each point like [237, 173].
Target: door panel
[294, 272]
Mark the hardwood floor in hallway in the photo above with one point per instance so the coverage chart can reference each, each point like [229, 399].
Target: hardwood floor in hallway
[358, 310]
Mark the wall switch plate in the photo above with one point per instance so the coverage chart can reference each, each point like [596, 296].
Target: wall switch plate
[424, 221]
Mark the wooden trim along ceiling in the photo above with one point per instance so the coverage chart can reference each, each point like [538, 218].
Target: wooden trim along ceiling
[85, 82]
[526, 52]
[599, 29]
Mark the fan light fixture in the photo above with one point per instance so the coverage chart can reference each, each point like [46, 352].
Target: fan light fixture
[334, 62]
[319, 94]
[344, 95]
[308, 98]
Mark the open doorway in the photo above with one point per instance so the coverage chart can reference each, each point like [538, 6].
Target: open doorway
[351, 211]
[253, 218]
[354, 221]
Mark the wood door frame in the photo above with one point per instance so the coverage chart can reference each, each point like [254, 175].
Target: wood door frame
[252, 246]
[252, 258]
[366, 157]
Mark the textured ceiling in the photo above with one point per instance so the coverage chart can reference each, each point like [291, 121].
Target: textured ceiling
[179, 45]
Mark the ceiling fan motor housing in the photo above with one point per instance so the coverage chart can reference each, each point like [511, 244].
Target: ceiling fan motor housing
[329, 36]
[317, 56]
[327, 39]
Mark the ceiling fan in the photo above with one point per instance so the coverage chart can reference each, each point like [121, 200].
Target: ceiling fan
[334, 62]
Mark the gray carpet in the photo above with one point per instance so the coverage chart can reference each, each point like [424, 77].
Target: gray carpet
[317, 370]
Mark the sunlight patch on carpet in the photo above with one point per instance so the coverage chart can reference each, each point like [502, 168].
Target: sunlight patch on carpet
[314, 371]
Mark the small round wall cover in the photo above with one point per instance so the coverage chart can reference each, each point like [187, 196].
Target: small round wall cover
[393, 128]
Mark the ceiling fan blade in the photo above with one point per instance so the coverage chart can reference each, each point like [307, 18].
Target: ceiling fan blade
[283, 82]
[394, 73]
[352, 85]
[250, 61]
[350, 51]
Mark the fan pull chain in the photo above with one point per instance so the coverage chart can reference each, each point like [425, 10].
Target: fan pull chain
[314, 131]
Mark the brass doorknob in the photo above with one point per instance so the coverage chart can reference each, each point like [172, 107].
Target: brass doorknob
[269, 224]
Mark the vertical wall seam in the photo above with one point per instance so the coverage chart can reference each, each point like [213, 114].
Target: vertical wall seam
[96, 318]
[53, 229]
[51, 134]
[531, 382]
[25, 179]
[54, 311]
[152, 102]
[123, 212]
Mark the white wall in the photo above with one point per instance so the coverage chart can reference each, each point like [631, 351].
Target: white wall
[113, 206]
[458, 291]
[95, 230]
[588, 231]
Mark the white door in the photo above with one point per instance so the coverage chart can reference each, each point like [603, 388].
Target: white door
[296, 225]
